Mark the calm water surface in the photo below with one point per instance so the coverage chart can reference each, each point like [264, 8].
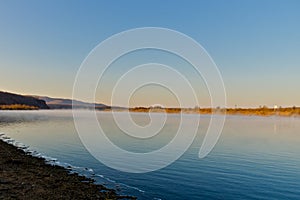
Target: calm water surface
[255, 158]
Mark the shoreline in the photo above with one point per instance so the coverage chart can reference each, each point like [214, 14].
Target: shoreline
[24, 176]
[263, 112]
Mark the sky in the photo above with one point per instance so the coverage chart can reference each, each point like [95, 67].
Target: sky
[254, 43]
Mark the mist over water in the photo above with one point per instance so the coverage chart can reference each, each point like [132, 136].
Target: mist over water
[255, 158]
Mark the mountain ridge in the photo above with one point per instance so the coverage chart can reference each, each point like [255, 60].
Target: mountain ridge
[13, 101]
[16, 101]
[63, 103]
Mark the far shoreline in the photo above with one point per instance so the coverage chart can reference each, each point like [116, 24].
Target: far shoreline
[261, 111]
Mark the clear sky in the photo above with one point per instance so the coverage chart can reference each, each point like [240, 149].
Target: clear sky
[255, 43]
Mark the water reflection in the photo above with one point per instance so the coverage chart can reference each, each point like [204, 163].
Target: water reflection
[255, 158]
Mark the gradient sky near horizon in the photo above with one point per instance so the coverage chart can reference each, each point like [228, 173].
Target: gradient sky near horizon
[255, 44]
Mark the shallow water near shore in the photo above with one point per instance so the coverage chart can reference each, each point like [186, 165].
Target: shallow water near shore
[255, 158]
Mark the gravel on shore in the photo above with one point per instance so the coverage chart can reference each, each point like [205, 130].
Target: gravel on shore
[23, 176]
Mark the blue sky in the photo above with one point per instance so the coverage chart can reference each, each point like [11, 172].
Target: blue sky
[255, 44]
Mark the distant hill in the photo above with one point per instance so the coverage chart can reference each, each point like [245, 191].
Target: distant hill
[59, 103]
[16, 101]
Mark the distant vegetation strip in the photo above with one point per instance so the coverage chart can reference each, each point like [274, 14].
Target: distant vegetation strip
[18, 107]
[264, 111]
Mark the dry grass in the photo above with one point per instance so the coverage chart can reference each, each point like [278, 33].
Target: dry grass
[290, 111]
[17, 107]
